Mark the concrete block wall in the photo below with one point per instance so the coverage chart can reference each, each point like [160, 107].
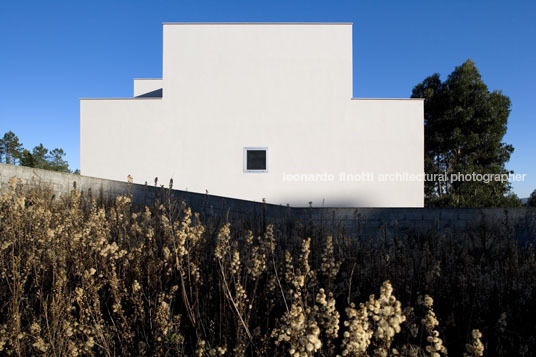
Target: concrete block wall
[371, 222]
[63, 183]
[364, 222]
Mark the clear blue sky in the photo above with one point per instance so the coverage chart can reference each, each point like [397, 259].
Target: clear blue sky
[52, 53]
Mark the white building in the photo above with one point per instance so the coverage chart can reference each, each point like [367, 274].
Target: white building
[259, 110]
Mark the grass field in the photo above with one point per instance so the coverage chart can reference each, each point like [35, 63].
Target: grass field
[83, 277]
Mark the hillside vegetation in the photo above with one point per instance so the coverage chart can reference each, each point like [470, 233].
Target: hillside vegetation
[79, 276]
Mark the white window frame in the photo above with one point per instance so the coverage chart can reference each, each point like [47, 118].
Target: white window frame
[245, 158]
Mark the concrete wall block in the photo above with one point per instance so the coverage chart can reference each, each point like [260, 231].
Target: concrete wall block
[364, 222]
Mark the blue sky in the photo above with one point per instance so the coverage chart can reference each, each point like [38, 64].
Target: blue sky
[52, 53]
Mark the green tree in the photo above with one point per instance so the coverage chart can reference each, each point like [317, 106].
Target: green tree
[12, 152]
[37, 158]
[42, 158]
[56, 161]
[464, 125]
[27, 159]
[10, 148]
[532, 199]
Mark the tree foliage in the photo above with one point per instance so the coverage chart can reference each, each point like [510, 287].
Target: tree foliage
[12, 152]
[532, 199]
[10, 148]
[464, 126]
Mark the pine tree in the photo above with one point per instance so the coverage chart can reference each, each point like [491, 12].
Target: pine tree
[532, 199]
[464, 127]
[12, 152]
[10, 148]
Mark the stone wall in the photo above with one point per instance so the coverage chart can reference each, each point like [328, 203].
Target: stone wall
[364, 222]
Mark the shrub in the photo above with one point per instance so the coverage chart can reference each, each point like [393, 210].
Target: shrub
[83, 277]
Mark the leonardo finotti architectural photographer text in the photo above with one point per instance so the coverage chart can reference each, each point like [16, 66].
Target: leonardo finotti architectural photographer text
[369, 176]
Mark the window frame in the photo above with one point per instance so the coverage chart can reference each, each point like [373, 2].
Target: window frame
[245, 158]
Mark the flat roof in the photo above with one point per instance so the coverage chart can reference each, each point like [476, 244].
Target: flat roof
[129, 98]
[387, 98]
[257, 23]
[151, 98]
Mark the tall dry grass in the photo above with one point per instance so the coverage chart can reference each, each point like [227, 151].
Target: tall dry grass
[84, 277]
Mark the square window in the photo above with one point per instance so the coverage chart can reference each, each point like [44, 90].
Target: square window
[255, 159]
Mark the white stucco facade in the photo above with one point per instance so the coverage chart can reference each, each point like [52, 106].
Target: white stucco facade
[283, 87]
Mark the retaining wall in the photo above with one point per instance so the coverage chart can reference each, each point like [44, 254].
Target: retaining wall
[365, 222]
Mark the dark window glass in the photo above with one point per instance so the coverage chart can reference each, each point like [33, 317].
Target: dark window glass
[256, 160]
